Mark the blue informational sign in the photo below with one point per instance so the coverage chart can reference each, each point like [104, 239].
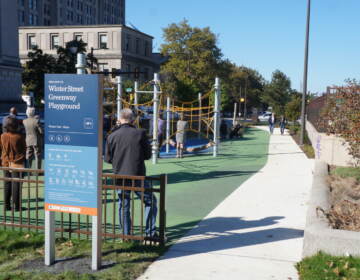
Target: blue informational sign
[73, 124]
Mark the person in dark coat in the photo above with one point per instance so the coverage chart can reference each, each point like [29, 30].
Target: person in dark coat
[223, 129]
[12, 114]
[127, 148]
[12, 155]
[272, 121]
[282, 124]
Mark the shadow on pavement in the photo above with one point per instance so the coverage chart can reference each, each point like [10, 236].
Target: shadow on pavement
[181, 177]
[216, 234]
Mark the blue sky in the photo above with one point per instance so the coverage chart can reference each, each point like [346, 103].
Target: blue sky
[268, 34]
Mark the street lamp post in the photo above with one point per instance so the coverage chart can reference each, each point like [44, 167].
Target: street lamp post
[92, 57]
[306, 59]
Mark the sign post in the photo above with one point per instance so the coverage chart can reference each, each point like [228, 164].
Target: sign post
[73, 154]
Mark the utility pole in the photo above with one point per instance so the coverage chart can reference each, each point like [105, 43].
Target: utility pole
[119, 95]
[306, 59]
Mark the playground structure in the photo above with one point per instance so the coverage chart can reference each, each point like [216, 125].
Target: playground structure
[202, 114]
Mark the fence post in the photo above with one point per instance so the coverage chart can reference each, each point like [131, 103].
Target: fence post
[49, 237]
[162, 222]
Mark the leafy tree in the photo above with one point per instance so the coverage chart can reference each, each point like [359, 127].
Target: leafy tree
[34, 70]
[194, 59]
[278, 92]
[244, 82]
[40, 64]
[293, 108]
[341, 116]
[66, 60]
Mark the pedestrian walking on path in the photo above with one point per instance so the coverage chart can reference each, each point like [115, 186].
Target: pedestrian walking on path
[272, 121]
[255, 233]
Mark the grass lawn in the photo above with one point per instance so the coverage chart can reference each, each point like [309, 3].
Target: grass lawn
[196, 185]
[345, 172]
[326, 267]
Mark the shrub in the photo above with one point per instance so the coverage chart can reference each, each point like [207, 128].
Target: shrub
[341, 116]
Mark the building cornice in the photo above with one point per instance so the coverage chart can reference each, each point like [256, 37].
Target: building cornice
[94, 26]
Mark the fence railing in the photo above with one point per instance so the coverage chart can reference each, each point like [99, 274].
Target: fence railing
[313, 112]
[26, 209]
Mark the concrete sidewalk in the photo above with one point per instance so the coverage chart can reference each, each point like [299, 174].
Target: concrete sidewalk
[255, 233]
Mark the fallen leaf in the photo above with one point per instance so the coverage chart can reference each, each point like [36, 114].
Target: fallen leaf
[336, 271]
[27, 236]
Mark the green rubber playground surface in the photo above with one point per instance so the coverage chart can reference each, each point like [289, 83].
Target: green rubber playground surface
[198, 183]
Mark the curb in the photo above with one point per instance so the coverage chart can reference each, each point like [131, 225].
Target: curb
[319, 236]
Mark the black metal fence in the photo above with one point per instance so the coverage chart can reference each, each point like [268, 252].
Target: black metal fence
[141, 194]
[313, 112]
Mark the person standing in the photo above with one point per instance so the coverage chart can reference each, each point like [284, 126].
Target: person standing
[12, 114]
[223, 129]
[181, 126]
[13, 156]
[282, 124]
[127, 148]
[272, 121]
[161, 130]
[34, 134]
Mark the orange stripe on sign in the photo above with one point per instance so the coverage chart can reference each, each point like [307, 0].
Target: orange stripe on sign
[71, 209]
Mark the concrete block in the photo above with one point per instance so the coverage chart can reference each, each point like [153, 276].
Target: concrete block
[318, 235]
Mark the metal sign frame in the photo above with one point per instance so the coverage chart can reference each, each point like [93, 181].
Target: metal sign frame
[57, 127]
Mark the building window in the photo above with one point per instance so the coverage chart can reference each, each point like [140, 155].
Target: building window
[103, 67]
[31, 19]
[54, 41]
[31, 42]
[137, 45]
[102, 41]
[21, 17]
[127, 43]
[128, 69]
[31, 4]
[146, 48]
[77, 37]
[146, 73]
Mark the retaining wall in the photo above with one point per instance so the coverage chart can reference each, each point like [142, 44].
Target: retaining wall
[318, 235]
[329, 148]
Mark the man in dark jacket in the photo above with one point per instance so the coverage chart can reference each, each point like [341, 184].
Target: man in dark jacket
[126, 149]
[12, 114]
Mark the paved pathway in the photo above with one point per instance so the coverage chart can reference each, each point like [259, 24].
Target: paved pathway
[255, 233]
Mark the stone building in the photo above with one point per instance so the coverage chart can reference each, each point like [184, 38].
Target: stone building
[70, 12]
[115, 46]
[10, 70]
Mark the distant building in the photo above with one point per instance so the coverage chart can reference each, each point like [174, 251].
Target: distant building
[10, 70]
[115, 46]
[70, 12]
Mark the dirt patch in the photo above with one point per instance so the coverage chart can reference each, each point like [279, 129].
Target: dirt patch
[78, 265]
[345, 203]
